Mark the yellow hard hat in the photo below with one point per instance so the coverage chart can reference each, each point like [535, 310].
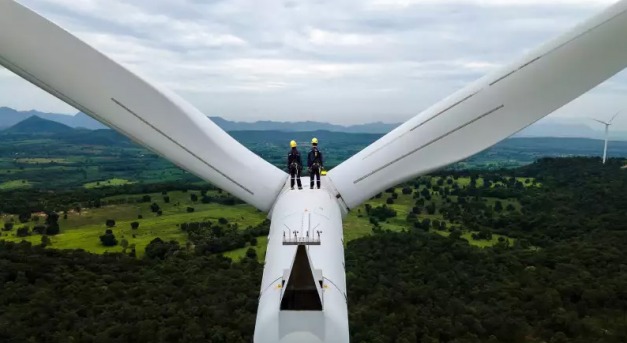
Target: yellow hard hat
[314, 140]
[324, 172]
[293, 144]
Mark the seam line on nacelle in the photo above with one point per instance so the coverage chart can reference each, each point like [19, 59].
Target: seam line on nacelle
[336, 287]
[269, 285]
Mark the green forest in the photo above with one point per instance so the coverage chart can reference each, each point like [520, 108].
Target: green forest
[531, 254]
[79, 158]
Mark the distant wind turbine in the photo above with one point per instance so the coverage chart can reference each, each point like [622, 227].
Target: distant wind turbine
[607, 127]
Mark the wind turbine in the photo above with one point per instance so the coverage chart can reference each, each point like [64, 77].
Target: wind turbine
[303, 291]
[607, 127]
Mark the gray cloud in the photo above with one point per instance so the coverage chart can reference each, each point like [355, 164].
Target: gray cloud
[346, 61]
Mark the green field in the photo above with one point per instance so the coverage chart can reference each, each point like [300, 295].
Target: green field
[82, 229]
[260, 248]
[15, 184]
[108, 183]
[467, 235]
[464, 181]
[42, 160]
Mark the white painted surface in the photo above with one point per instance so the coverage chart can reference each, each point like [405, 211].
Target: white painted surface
[331, 324]
[69, 69]
[490, 109]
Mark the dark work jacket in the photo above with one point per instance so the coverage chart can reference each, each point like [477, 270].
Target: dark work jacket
[294, 156]
[314, 156]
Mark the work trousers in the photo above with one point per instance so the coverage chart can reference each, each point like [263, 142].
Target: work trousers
[295, 176]
[315, 173]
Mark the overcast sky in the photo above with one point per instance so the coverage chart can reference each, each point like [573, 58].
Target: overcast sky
[344, 62]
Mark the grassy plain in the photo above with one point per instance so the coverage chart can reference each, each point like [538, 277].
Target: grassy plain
[464, 181]
[108, 183]
[15, 184]
[39, 160]
[81, 230]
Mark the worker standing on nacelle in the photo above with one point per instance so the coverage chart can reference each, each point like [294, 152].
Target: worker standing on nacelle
[294, 165]
[315, 163]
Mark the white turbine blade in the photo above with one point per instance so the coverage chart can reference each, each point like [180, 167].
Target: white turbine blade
[490, 109]
[611, 120]
[64, 66]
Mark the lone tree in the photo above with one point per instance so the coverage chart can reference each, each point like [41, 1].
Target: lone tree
[124, 244]
[251, 254]
[132, 252]
[154, 207]
[110, 223]
[108, 239]
[193, 197]
[190, 209]
[134, 225]
[22, 232]
[158, 249]
[7, 227]
[455, 234]
[498, 206]
[166, 199]
[45, 241]
[24, 217]
[52, 223]
[39, 229]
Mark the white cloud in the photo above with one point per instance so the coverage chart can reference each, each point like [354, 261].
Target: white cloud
[402, 4]
[321, 37]
[343, 61]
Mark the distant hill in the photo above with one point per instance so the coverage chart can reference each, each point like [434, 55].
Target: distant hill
[35, 125]
[301, 126]
[548, 127]
[560, 130]
[10, 117]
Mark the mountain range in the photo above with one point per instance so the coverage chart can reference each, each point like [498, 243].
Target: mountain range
[37, 125]
[544, 128]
